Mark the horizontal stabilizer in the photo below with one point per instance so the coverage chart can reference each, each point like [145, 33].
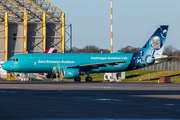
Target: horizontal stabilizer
[165, 58]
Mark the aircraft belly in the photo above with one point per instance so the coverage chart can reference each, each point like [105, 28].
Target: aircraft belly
[41, 70]
[35, 67]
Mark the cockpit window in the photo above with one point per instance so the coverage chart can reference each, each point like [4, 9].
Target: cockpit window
[14, 59]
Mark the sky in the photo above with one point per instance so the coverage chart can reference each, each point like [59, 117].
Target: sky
[134, 21]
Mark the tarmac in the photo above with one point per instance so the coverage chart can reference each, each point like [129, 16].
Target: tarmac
[91, 101]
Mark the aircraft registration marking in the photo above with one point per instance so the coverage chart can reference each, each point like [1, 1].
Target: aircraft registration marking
[119, 65]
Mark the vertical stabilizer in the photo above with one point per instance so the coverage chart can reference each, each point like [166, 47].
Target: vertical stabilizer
[153, 47]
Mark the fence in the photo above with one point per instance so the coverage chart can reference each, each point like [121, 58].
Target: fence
[170, 65]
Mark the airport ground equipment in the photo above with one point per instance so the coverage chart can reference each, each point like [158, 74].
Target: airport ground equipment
[32, 26]
[10, 77]
[115, 76]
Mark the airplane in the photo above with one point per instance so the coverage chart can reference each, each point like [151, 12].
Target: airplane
[72, 65]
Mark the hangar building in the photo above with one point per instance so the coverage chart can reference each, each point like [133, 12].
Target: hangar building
[32, 26]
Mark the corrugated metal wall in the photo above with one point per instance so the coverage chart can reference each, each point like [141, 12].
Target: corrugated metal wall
[15, 39]
[170, 65]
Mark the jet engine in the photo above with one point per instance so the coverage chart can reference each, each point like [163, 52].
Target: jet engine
[70, 73]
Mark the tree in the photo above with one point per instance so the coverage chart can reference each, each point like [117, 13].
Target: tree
[169, 50]
[89, 49]
[129, 49]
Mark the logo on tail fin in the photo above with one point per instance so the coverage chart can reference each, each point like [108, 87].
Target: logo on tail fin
[156, 42]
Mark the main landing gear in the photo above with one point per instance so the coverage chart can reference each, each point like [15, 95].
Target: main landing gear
[78, 79]
[88, 79]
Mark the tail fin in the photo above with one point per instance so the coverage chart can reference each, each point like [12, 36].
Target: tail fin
[50, 50]
[154, 47]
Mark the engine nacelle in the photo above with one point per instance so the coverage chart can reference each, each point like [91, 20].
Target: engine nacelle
[68, 73]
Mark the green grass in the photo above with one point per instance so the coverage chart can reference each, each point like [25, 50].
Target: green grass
[136, 75]
[154, 75]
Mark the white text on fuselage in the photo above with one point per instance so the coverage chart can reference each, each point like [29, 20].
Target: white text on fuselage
[50, 61]
[109, 58]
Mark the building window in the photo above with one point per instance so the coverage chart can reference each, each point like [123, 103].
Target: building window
[14, 36]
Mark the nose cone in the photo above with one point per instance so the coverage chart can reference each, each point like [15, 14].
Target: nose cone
[5, 66]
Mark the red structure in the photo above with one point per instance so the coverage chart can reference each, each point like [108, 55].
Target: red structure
[164, 79]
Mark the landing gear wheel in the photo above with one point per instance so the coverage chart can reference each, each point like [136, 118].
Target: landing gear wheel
[88, 79]
[78, 79]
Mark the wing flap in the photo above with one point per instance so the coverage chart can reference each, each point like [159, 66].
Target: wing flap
[96, 65]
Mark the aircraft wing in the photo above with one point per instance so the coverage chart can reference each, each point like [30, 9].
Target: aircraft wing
[165, 58]
[96, 65]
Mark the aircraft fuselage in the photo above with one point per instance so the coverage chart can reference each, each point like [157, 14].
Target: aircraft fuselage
[44, 63]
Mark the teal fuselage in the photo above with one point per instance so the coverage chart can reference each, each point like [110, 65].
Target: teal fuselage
[44, 63]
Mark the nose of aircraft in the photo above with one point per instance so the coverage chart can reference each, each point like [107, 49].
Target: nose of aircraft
[4, 66]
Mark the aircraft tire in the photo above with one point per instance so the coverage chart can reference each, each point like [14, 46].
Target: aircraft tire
[78, 79]
[88, 79]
